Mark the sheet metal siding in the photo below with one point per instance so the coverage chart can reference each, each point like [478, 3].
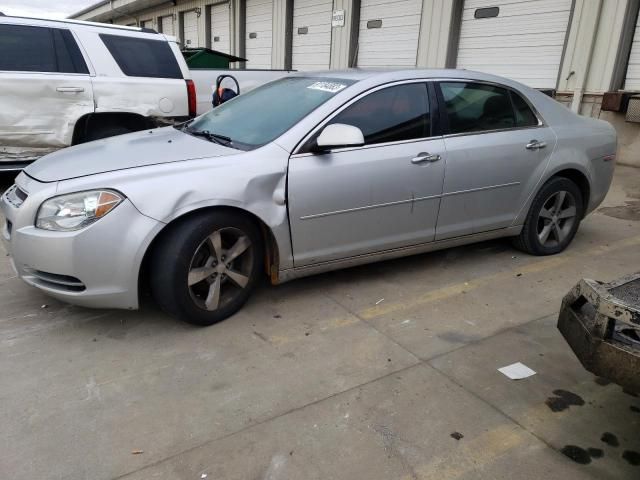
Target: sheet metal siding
[395, 43]
[221, 27]
[341, 36]
[524, 42]
[259, 22]
[311, 50]
[632, 80]
[279, 34]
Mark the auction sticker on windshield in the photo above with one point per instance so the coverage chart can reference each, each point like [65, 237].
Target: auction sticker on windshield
[330, 87]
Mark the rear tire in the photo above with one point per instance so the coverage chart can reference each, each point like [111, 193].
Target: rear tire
[553, 219]
[206, 266]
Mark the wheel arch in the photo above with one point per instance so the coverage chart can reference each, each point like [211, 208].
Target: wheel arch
[93, 120]
[579, 178]
[271, 253]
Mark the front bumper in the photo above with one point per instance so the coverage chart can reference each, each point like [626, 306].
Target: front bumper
[96, 267]
[601, 324]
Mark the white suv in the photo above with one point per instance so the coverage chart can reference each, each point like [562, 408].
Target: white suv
[68, 82]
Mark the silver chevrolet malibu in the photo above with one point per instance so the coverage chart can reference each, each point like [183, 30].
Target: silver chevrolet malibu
[306, 174]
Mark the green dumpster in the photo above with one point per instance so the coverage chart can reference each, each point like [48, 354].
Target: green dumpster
[207, 58]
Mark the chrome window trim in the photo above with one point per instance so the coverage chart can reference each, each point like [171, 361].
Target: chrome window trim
[301, 143]
[539, 117]
[344, 106]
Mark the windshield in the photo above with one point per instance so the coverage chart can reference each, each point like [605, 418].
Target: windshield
[257, 117]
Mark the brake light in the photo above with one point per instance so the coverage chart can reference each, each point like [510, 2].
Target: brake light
[191, 97]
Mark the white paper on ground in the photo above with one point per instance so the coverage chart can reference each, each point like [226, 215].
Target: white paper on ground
[517, 371]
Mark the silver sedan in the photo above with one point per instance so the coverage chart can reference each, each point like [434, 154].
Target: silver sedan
[303, 175]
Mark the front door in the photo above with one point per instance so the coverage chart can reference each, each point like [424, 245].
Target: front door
[381, 196]
[497, 150]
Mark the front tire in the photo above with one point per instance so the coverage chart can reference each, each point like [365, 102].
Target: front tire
[205, 266]
[553, 219]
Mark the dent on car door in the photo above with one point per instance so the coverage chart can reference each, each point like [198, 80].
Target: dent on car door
[383, 195]
[45, 88]
[493, 160]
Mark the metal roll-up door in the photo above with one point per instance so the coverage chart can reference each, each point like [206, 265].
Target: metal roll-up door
[221, 27]
[632, 80]
[518, 39]
[259, 30]
[311, 43]
[389, 31]
[190, 29]
[166, 25]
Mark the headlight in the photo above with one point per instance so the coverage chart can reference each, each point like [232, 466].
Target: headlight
[77, 210]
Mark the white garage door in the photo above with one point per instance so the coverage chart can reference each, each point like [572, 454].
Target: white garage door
[220, 27]
[632, 82]
[389, 31]
[167, 25]
[258, 33]
[519, 39]
[190, 30]
[311, 46]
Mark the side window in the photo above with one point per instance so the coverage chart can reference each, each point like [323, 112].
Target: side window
[475, 107]
[139, 57]
[524, 115]
[70, 59]
[27, 49]
[390, 115]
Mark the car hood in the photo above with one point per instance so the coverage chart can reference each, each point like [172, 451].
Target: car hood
[149, 147]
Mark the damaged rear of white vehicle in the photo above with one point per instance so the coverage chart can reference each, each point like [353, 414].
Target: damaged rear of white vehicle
[68, 82]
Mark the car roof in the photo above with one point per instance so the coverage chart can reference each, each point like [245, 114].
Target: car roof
[391, 75]
[49, 22]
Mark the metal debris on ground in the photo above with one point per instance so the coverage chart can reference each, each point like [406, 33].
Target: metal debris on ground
[136, 452]
[380, 301]
[517, 371]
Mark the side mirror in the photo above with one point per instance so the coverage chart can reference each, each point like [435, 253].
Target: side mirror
[339, 135]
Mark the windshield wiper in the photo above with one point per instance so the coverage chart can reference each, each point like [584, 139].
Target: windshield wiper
[212, 137]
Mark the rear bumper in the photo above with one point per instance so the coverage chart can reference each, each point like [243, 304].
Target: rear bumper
[602, 328]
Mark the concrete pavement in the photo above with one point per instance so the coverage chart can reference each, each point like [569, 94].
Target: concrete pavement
[358, 374]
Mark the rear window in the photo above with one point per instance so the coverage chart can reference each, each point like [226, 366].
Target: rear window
[140, 57]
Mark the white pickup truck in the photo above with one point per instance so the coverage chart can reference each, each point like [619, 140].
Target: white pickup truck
[67, 82]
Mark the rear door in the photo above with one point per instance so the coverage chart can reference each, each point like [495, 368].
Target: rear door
[259, 28]
[221, 27]
[190, 29]
[497, 150]
[383, 195]
[46, 88]
[311, 42]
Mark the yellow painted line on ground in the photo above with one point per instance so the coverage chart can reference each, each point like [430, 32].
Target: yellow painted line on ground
[443, 293]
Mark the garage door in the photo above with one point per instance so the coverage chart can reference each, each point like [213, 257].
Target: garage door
[258, 33]
[190, 29]
[632, 82]
[311, 45]
[519, 39]
[220, 27]
[166, 25]
[389, 31]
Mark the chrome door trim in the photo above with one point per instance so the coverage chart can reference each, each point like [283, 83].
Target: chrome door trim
[368, 207]
[290, 274]
[400, 202]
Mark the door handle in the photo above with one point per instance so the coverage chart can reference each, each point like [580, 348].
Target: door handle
[535, 145]
[70, 89]
[425, 157]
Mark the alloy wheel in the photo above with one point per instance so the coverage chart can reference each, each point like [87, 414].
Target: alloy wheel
[220, 268]
[556, 218]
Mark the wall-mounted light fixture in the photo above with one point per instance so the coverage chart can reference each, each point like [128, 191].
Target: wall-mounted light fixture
[198, 11]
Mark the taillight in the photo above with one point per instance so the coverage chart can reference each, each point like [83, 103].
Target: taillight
[191, 97]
